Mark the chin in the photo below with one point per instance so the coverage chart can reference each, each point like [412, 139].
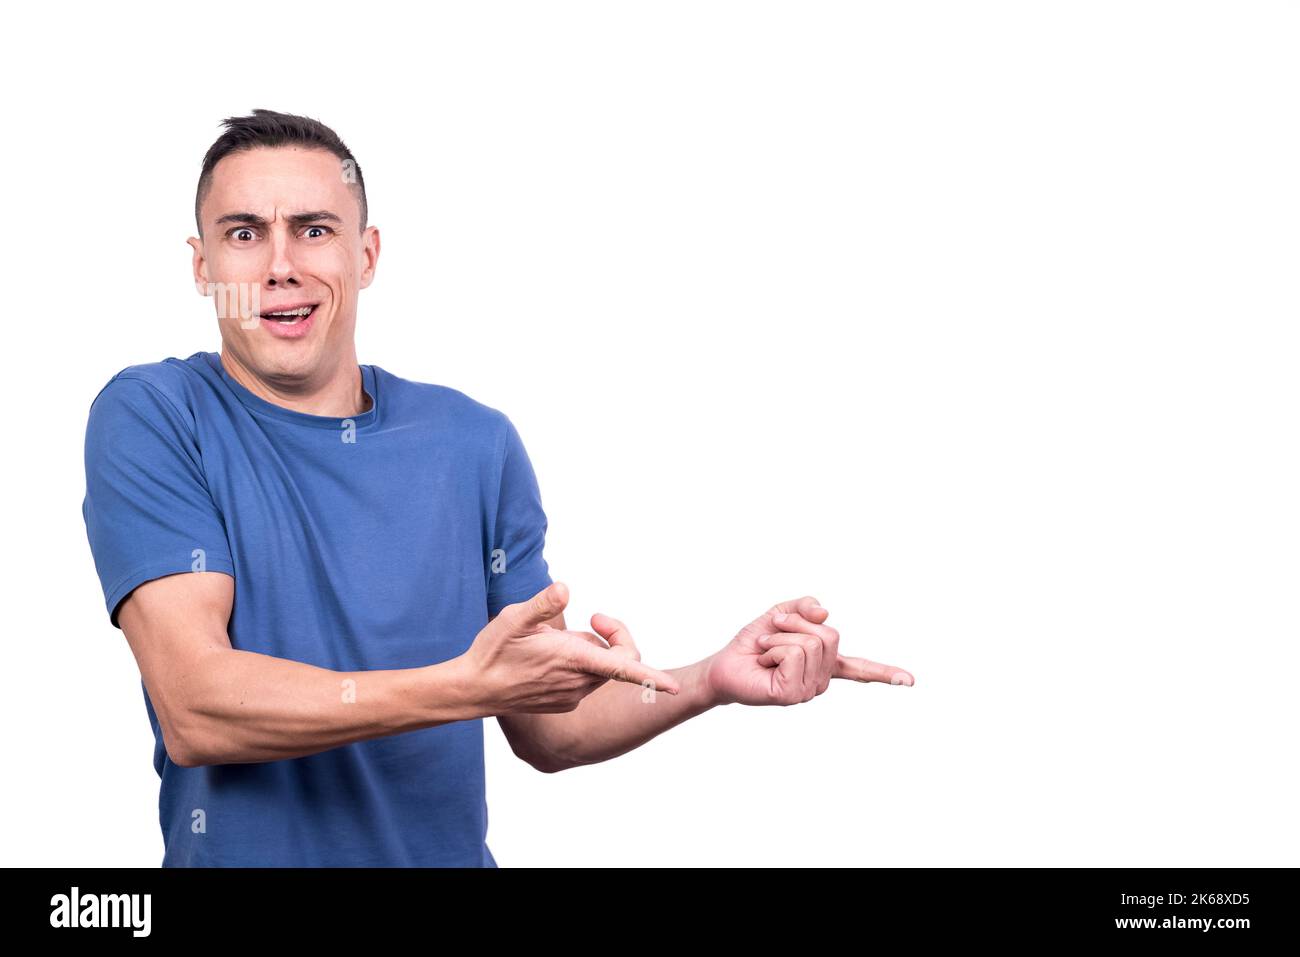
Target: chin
[279, 362]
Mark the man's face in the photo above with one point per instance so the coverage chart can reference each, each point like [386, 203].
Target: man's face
[281, 228]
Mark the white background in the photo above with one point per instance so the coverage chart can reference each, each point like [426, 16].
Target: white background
[975, 321]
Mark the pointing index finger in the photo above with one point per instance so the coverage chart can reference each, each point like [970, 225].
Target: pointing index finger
[611, 664]
[860, 669]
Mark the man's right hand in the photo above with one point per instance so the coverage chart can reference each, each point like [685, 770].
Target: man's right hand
[519, 663]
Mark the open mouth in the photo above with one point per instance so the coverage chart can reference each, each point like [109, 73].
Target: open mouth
[289, 317]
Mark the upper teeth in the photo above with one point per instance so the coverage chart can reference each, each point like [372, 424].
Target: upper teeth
[290, 312]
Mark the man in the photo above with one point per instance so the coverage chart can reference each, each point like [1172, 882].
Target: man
[329, 575]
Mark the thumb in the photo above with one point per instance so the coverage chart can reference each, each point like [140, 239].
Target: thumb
[528, 616]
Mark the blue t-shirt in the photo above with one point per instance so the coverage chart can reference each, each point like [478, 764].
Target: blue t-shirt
[381, 541]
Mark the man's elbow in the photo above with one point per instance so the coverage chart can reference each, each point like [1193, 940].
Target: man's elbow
[180, 755]
[540, 759]
[548, 765]
[187, 756]
[187, 746]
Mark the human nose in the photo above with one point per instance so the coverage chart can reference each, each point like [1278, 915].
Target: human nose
[282, 270]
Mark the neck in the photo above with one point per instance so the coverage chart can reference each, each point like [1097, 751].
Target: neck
[337, 392]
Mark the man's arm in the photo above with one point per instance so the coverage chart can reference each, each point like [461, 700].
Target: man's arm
[615, 718]
[220, 705]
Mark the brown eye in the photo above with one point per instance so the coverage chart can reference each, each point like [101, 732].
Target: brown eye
[236, 233]
[326, 228]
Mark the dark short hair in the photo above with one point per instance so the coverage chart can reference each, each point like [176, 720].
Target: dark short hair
[269, 128]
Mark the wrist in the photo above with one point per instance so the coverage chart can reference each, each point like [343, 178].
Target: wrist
[697, 689]
[452, 691]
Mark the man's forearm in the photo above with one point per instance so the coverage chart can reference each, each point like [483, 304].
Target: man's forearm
[245, 707]
[614, 719]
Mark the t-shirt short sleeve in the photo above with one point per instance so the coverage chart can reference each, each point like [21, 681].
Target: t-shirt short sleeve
[517, 566]
[147, 508]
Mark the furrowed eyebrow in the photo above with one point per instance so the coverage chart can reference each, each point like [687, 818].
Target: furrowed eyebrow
[296, 219]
